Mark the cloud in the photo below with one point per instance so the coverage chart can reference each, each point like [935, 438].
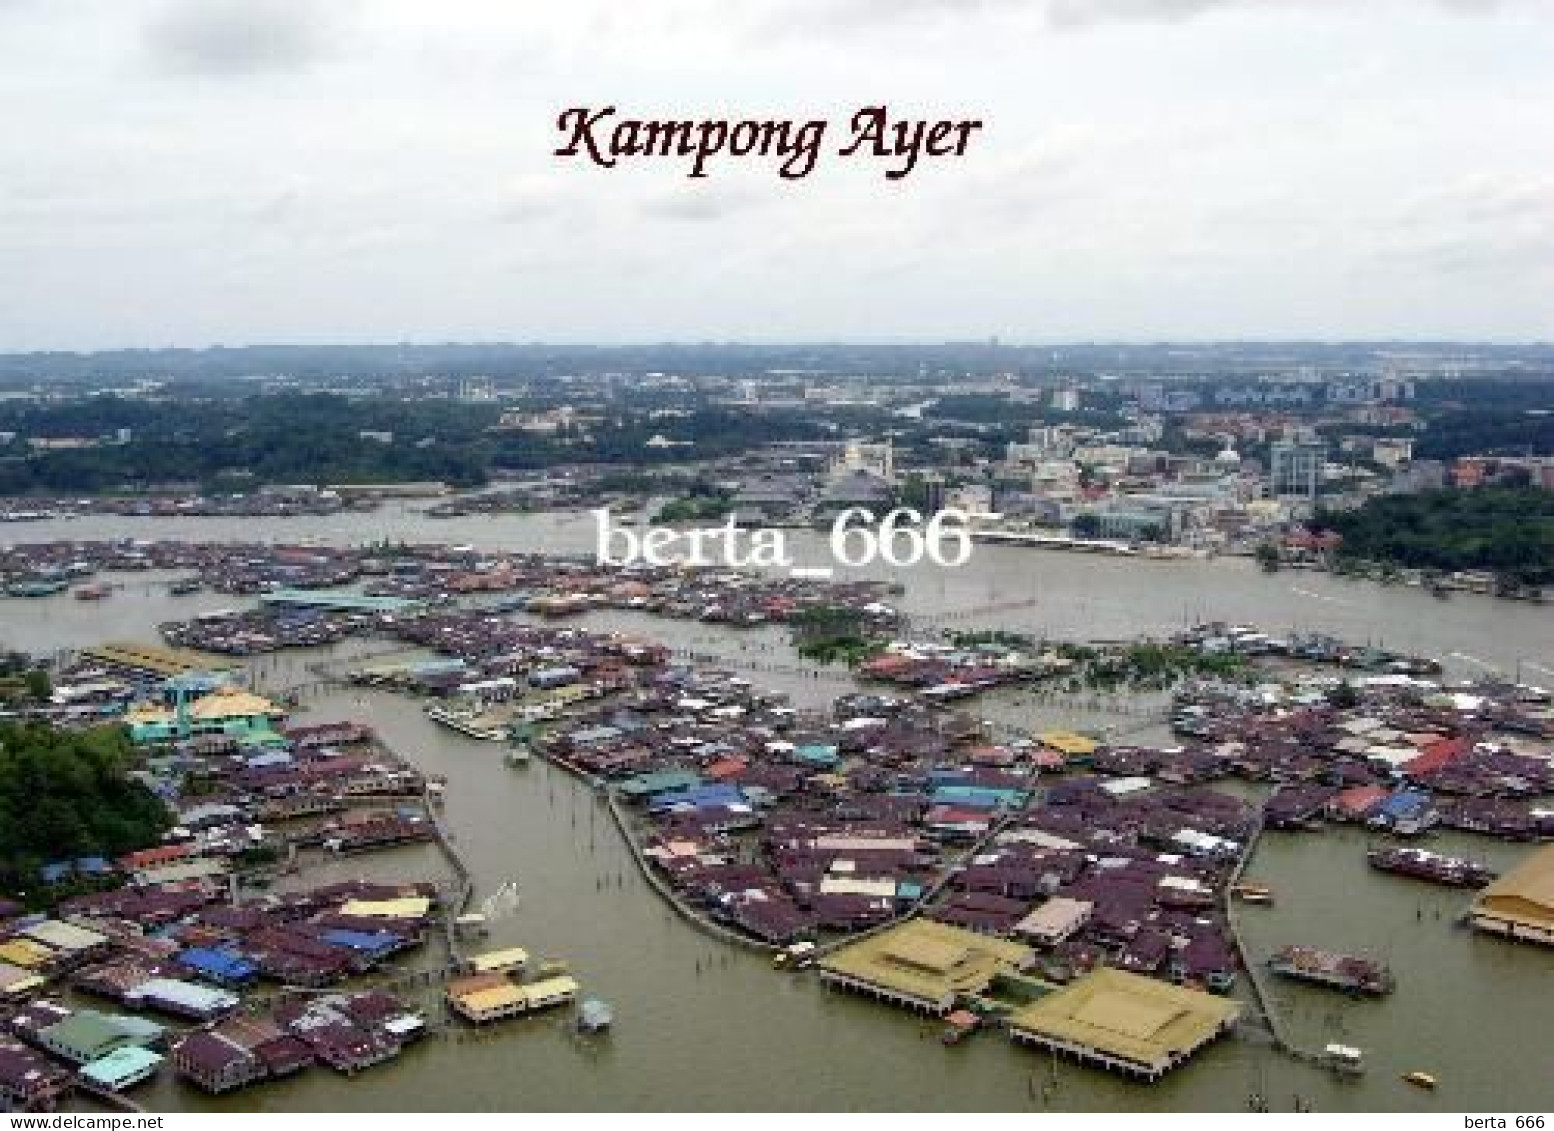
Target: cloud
[1073, 14]
[234, 38]
[697, 204]
[529, 198]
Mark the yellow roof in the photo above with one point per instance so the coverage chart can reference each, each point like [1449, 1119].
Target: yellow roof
[411, 907]
[497, 997]
[547, 987]
[1525, 893]
[499, 959]
[230, 703]
[1128, 1016]
[223, 703]
[1068, 742]
[24, 953]
[928, 960]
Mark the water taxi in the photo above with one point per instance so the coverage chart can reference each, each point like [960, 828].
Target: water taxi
[1419, 1079]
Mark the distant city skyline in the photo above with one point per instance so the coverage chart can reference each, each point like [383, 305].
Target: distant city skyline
[193, 172]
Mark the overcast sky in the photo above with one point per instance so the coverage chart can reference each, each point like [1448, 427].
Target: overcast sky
[185, 172]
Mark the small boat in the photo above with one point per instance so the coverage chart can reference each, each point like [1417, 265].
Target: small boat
[594, 1016]
[959, 1025]
[1252, 893]
[795, 957]
[1419, 1079]
[94, 592]
[519, 755]
[551, 968]
[472, 923]
[184, 586]
[1344, 1059]
[36, 588]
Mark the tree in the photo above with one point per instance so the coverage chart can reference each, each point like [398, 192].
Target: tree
[39, 686]
[1344, 696]
[66, 794]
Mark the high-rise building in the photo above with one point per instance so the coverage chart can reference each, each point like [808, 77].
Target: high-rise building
[1295, 468]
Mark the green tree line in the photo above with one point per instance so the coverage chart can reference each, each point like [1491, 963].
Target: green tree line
[1506, 529]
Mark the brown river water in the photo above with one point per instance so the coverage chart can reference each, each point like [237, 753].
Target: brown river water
[704, 1026]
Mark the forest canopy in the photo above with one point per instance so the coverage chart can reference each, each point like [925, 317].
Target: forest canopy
[67, 794]
[1506, 529]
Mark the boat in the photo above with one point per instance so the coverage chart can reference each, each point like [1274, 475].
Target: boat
[472, 922]
[470, 723]
[794, 957]
[1346, 1060]
[959, 1025]
[1252, 893]
[1347, 972]
[551, 968]
[94, 592]
[1453, 871]
[594, 1016]
[36, 587]
[1420, 1079]
[519, 755]
[185, 585]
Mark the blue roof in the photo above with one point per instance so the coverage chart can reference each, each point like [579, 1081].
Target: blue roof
[700, 797]
[978, 797]
[218, 962]
[1404, 803]
[817, 754]
[373, 942]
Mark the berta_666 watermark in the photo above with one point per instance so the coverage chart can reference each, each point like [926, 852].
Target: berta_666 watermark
[858, 538]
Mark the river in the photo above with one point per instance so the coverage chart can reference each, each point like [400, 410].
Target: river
[705, 1026]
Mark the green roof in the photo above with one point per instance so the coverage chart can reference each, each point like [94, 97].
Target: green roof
[344, 601]
[85, 1036]
[121, 1065]
[660, 781]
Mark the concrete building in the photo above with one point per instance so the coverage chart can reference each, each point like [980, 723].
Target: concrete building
[1295, 468]
[876, 459]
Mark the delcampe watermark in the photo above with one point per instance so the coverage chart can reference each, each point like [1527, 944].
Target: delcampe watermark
[858, 539]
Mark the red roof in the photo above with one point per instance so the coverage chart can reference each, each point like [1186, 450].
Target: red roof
[1437, 755]
[725, 768]
[1361, 799]
[147, 857]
